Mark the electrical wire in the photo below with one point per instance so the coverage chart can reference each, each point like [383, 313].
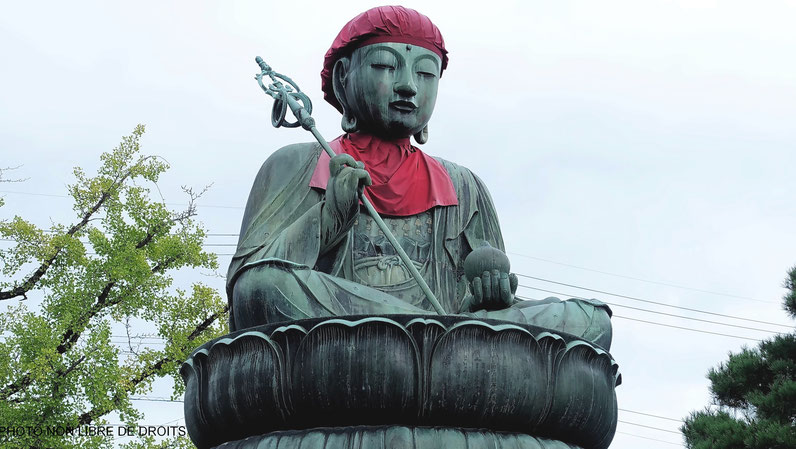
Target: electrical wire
[608, 273]
[649, 427]
[651, 415]
[667, 284]
[213, 206]
[633, 298]
[648, 438]
[656, 312]
[686, 328]
[665, 325]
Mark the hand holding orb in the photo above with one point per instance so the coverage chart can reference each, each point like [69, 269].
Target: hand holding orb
[491, 283]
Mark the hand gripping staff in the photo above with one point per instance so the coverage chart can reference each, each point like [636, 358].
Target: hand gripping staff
[288, 94]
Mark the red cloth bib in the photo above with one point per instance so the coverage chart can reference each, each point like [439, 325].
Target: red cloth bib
[406, 181]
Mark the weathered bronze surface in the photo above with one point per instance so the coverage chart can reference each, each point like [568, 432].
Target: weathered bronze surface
[297, 255]
[401, 370]
[396, 437]
[336, 344]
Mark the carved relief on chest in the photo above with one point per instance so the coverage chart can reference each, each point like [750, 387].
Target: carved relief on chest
[376, 262]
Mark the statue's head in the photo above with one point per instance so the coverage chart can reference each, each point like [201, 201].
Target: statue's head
[383, 70]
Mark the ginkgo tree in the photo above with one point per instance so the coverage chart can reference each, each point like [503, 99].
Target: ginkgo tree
[68, 287]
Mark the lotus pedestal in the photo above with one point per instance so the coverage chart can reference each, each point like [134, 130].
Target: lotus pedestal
[400, 381]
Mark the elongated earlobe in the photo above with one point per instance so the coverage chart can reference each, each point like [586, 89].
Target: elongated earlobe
[339, 75]
[349, 123]
[422, 136]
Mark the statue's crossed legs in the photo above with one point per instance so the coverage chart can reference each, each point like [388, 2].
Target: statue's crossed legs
[275, 292]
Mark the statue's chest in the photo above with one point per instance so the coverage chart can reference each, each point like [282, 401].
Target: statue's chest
[375, 261]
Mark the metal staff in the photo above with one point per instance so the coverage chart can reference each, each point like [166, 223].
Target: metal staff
[286, 94]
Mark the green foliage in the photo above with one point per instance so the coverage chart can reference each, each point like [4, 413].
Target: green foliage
[182, 442]
[754, 394]
[713, 430]
[790, 297]
[58, 366]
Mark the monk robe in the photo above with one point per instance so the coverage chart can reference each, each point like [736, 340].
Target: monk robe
[278, 272]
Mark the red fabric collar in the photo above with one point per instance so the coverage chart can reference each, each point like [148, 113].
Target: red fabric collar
[406, 181]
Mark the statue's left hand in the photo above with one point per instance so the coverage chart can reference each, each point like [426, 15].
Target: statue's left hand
[493, 290]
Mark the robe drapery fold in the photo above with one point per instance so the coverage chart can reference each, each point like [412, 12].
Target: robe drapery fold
[280, 245]
[281, 223]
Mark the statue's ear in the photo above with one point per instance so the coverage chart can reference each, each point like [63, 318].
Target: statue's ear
[339, 78]
[422, 136]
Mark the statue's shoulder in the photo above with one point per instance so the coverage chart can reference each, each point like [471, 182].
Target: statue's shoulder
[460, 175]
[287, 164]
[454, 169]
[296, 153]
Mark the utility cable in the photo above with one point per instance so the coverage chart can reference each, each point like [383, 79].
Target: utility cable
[214, 206]
[655, 311]
[649, 427]
[686, 328]
[608, 273]
[666, 325]
[641, 279]
[649, 414]
[633, 298]
[648, 438]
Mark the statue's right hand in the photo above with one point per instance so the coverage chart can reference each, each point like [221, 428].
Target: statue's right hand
[347, 180]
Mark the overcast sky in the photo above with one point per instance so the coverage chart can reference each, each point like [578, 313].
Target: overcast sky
[623, 142]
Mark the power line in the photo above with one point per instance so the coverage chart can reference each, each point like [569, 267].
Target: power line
[150, 399]
[35, 194]
[214, 206]
[648, 438]
[139, 343]
[608, 273]
[640, 279]
[139, 336]
[633, 298]
[685, 328]
[659, 313]
[646, 310]
[666, 325]
[649, 414]
[648, 427]
[163, 399]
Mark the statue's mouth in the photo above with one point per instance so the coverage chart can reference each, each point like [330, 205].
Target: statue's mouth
[403, 106]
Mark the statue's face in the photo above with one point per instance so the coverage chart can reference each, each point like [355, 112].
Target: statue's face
[391, 88]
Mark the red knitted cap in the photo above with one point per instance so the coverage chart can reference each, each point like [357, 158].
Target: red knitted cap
[381, 24]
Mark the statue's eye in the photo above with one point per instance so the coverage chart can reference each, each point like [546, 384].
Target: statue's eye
[425, 68]
[381, 66]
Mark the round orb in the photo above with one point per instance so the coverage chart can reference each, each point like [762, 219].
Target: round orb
[483, 259]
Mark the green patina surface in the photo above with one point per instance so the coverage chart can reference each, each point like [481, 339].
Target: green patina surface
[300, 253]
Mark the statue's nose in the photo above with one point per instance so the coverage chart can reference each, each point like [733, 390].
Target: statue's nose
[405, 85]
